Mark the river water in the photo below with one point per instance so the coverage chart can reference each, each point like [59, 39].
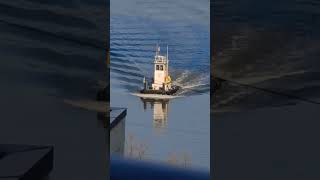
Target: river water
[175, 131]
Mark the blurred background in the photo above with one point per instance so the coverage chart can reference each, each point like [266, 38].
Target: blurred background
[265, 109]
[53, 64]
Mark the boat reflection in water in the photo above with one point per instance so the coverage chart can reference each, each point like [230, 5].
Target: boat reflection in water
[160, 111]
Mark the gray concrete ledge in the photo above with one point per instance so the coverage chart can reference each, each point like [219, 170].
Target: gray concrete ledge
[25, 162]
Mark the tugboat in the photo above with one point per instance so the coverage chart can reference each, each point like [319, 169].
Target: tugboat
[162, 82]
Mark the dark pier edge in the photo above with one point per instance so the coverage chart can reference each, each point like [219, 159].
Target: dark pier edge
[116, 115]
[214, 85]
[107, 88]
[25, 162]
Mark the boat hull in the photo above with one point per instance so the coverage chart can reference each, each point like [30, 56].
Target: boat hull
[172, 91]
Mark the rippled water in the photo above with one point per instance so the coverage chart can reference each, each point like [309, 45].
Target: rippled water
[273, 46]
[269, 44]
[136, 27]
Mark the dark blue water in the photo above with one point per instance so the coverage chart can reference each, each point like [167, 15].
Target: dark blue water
[52, 51]
[175, 129]
[271, 45]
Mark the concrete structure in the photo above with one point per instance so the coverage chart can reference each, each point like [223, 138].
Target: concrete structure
[117, 130]
[25, 162]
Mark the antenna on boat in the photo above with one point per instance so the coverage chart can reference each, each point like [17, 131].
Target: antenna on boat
[167, 54]
[167, 60]
[157, 50]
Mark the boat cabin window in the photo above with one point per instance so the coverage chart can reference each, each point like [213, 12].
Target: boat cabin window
[161, 67]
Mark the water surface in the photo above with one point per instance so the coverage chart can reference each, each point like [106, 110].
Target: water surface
[177, 130]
